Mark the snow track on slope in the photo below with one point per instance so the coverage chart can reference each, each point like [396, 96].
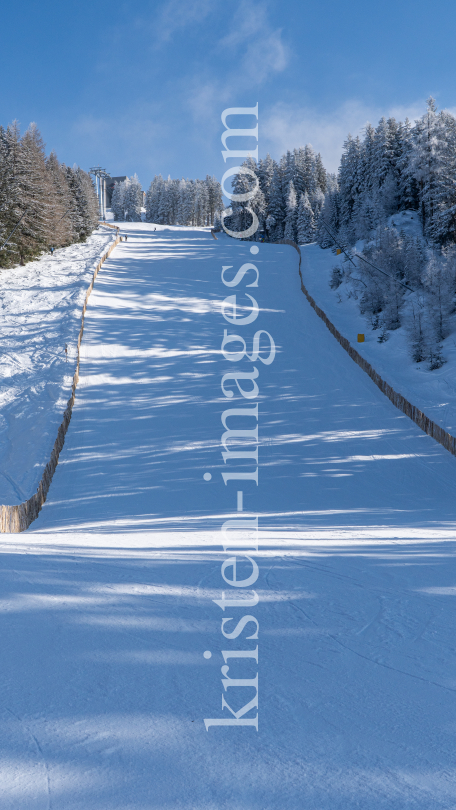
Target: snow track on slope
[106, 602]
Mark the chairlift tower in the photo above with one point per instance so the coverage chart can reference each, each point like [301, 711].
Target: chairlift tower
[100, 182]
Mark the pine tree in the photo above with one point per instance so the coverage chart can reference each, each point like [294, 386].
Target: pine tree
[275, 211]
[91, 200]
[273, 206]
[299, 177]
[388, 195]
[320, 174]
[60, 204]
[306, 231]
[309, 171]
[215, 201]
[329, 220]
[384, 152]
[30, 193]
[153, 195]
[414, 261]
[133, 200]
[118, 202]
[349, 186]
[183, 202]
[266, 169]
[317, 202]
[292, 212]
[417, 332]
[38, 190]
[77, 203]
[190, 203]
[439, 286]
[287, 172]
[241, 219]
[6, 187]
[426, 162]
[11, 204]
[408, 186]
[443, 227]
[38, 196]
[173, 192]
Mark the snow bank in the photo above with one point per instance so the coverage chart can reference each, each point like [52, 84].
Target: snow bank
[433, 392]
[41, 307]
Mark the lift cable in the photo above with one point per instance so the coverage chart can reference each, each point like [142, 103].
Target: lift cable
[15, 228]
[360, 256]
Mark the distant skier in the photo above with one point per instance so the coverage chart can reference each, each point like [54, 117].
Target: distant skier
[52, 250]
[125, 237]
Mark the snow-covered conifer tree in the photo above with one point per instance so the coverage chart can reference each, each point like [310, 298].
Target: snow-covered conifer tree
[349, 188]
[50, 204]
[84, 212]
[133, 200]
[215, 201]
[266, 169]
[61, 203]
[306, 230]
[418, 331]
[276, 208]
[292, 212]
[320, 174]
[118, 202]
[329, 220]
[426, 161]
[241, 218]
[153, 198]
[287, 171]
[309, 171]
[317, 202]
[31, 191]
[439, 287]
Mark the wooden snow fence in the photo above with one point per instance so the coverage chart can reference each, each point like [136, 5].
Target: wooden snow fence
[15, 519]
[424, 422]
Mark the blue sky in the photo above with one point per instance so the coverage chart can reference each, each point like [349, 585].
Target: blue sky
[140, 87]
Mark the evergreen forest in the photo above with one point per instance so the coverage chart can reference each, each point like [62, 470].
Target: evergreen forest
[397, 173]
[169, 202]
[43, 203]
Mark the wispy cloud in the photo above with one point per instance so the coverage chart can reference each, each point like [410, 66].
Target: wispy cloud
[257, 46]
[178, 14]
[255, 52]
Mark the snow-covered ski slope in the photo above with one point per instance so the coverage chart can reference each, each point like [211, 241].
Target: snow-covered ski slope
[107, 600]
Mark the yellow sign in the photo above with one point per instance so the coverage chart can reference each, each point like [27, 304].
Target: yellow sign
[338, 252]
[360, 338]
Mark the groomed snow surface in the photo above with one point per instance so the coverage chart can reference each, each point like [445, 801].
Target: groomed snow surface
[107, 600]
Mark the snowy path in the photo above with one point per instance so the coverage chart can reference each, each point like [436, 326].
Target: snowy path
[106, 602]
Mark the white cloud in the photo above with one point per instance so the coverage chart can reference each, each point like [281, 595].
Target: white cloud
[177, 14]
[205, 99]
[256, 52]
[257, 47]
[287, 127]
